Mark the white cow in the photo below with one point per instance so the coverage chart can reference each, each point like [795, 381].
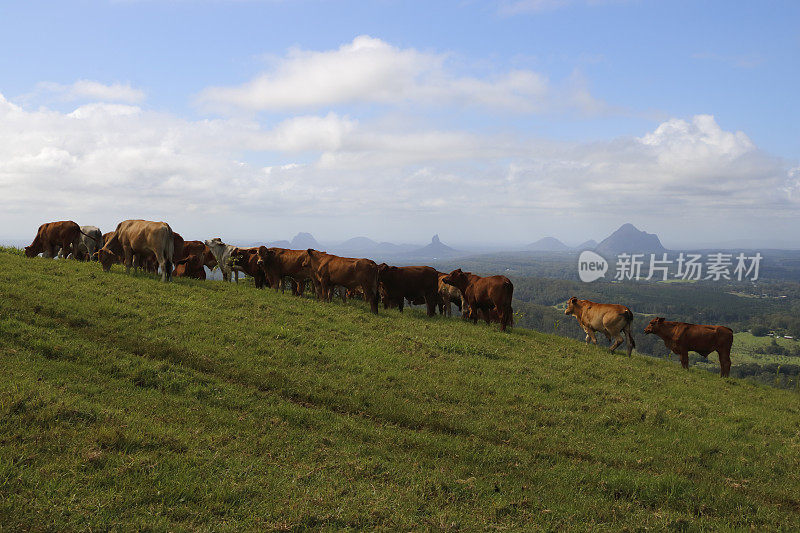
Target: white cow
[222, 253]
[91, 241]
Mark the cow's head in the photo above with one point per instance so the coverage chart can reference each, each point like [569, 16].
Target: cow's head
[384, 270]
[653, 325]
[457, 278]
[571, 305]
[214, 243]
[32, 251]
[106, 258]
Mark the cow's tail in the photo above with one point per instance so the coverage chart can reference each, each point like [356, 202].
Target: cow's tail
[100, 242]
[628, 314]
[169, 253]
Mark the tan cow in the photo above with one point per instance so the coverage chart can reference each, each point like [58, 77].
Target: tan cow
[449, 294]
[610, 319]
[140, 238]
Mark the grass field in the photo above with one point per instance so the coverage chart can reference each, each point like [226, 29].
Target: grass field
[128, 403]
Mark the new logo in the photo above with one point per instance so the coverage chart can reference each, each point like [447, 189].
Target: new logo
[591, 266]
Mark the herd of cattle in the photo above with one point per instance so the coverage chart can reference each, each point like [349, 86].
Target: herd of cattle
[154, 246]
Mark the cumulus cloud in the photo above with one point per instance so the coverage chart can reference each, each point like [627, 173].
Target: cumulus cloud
[369, 70]
[94, 91]
[123, 159]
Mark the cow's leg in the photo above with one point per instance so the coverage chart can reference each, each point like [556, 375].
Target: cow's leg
[590, 334]
[128, 252]
[400, 303]
[430, 301]
[162, 264]
[724, 362]
[618, 339]
[684, 357]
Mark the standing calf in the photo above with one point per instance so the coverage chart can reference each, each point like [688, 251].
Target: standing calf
[610, 319]
[683, 338]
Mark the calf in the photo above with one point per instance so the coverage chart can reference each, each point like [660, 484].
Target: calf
[449, 294]
[247, 260]
[683, 338]
[415, 283]
[610, 319]
[491, 292]
[190, 267]
[330, 270]
[280, 263]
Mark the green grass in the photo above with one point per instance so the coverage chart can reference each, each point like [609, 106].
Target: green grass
[128, 403]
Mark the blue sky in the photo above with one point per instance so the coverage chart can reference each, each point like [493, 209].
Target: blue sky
[505, 120]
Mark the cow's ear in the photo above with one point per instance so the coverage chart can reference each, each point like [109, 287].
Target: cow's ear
[573, 299]
[660, 319]
[262, 250]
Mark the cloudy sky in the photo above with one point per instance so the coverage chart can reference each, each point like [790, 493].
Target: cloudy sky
[483, 121]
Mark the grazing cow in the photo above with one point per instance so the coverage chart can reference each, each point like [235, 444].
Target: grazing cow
[197, 248]
[247, 260]
[177, 246]
[190, 267]
[610, 319]
[330, 270]
[449, 294]
[491, 292]
[683, 338]
[222, 253]
[91, 240]
[140, 238]
[416, 283]
[51, 236]
[107, 237]
[280, 263]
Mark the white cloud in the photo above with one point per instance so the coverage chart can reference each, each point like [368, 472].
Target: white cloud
[369, 70]
[94, 91]
[130, 162]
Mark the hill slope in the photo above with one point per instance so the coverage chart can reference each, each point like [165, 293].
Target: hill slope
[206, 405]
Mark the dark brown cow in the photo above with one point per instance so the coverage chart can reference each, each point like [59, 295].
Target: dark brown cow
[683, 338]
[247, 260]
[190, 267]
[416, 283]
[331, 270]
[610, 319]
[140, 238]
[491, 292]
[280, 263]
[64, 234]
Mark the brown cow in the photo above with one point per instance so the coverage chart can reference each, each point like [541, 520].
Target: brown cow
[200, 249]
[415, 283]
[609, 319]
[491, 292]
[449, 294]
[51, 236]
[140, 238]
[683, 338]
[190, 267]
[330, 270]
[280, 263]
[247, 260]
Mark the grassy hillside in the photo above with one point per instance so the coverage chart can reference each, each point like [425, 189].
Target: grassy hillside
[205, 405]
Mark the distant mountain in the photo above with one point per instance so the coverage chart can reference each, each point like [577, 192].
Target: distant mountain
[281, 244]
[591, 244]
[548, 244]
[436, 249]
[629, 239]
[358, 243]
[303, 241]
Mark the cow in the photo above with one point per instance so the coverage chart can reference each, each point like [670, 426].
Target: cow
[449, 294]
[91, 240]
[490, 292]
[683, 338]
[416, 283]
[62, 238]
[248, 260]
[222, 253]
[140, 238]
[190, 267]
[177, 246]
[609, 319]
[197, 248]
[330, 270]
[280, 263]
